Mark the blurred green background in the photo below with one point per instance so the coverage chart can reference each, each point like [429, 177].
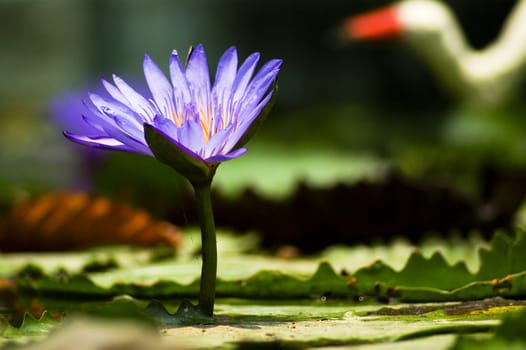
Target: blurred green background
[347, 113]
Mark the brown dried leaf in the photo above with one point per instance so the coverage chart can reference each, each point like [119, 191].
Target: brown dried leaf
[64, 221]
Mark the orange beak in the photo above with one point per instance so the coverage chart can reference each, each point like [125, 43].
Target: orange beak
[382, 23]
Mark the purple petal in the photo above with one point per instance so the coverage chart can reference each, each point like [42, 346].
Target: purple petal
[182, 94]
[114, 92]
[222, 157]
[218, 141]
[226, 70]
[160, 87]
[271, 66]
[66, 109]
[222, 90]
[120, 128]
[167, 126]
[244, 75]
[93, 124]
[197, 69]
[135, 100]
[99, 142]
[198, 80]
[244, 124]
[96, 118]
[178, 75]
[130, 129]
[118, 134]
[181, 145]
[191, 135]
[112, 108]
[257, 89]
[264, 77]
[203, 122]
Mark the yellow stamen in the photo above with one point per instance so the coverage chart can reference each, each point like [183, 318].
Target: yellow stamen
[204, 120]
[176, 118]
[206, 128]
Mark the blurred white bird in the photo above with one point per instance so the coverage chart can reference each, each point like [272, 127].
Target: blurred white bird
[485, 78]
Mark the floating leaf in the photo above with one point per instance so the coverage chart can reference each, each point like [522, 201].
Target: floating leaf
[253, 324]
[279, 285]
[430, 276]
[33, 278]
[421, 279]
[31, 326]
[294, 322]
[295, 303]
[264, 284]
[506, 256]
[90, 333]
[509, 335]
[502, 272]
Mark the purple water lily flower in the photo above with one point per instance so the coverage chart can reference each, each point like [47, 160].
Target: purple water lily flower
[190, 125]
[206, 122]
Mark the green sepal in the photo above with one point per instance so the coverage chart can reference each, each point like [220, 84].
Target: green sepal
[251, 131]
[195, 170]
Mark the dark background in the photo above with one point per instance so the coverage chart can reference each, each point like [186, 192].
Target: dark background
[363, 99]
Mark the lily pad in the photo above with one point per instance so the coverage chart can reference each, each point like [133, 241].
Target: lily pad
[31, 327]
[502, 272]
[509, 335]
[309, 302]
[286, 325]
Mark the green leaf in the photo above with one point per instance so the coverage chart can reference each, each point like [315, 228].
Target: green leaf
[421, 279]
[304, 302]
[506, 256]
[288, 323]
[80, 331]
[279, 285]
[31, 326]
[509, 335]
[34, 278]
[320, 167]
[119, 308]
[502, 272]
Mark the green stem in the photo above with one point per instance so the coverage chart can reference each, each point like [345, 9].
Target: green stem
[209, 248]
